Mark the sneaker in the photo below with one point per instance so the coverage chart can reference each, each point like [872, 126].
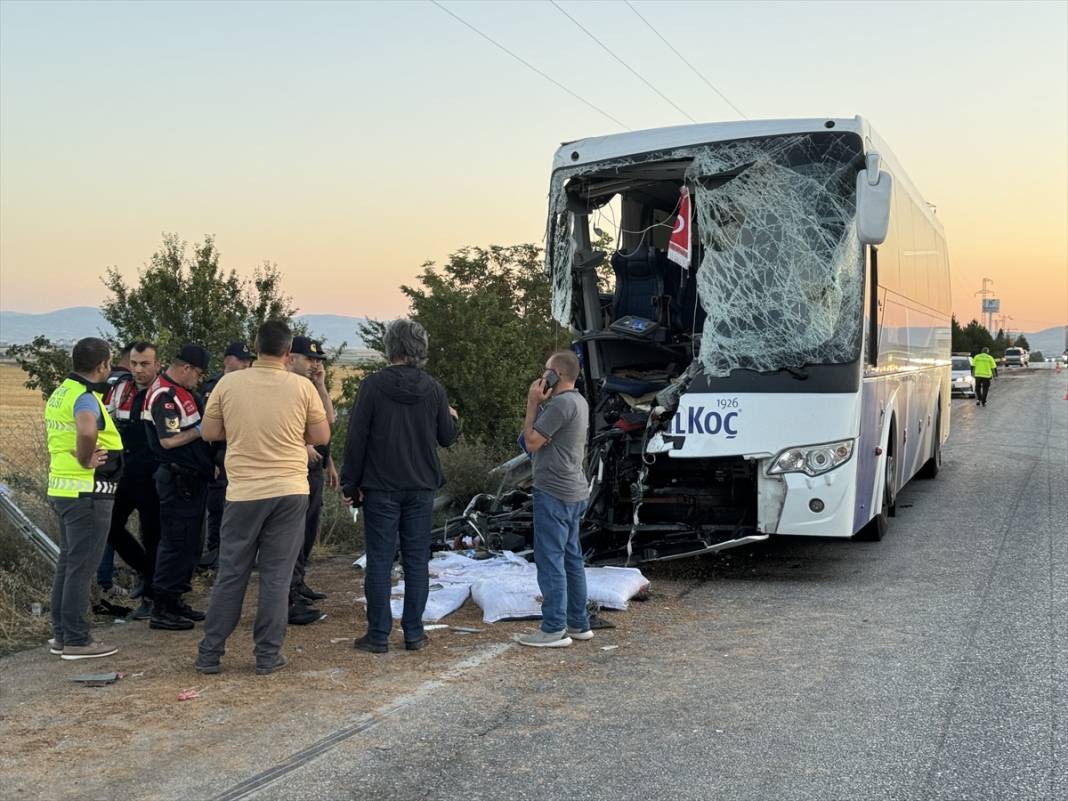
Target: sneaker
[144, 611]
[310, 594]
[265, 670]
[978, 403]
[55, 648]
[364, 644]
[90, 651]
[580, 634]
[168, 620]
[186, 611]
[115, 591]
[545, 639]
[303, 615]
[417, 645]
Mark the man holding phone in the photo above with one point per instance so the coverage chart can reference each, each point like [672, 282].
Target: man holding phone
[556, 440]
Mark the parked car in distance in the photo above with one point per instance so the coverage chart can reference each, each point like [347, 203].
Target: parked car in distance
[963, 381]
[1016, 357]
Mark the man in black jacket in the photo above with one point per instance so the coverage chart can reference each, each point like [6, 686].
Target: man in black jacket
[400, 418]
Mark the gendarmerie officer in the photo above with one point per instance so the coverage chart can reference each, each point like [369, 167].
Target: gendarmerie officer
[172, 415]
[308, 359]
[237, 357]
[125, 401]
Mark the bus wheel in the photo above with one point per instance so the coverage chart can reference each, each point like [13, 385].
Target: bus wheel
[934, 464]
[878, 525]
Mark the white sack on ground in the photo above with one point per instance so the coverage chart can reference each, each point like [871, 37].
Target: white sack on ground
[613, 587]
[517, 595]
[441, 601]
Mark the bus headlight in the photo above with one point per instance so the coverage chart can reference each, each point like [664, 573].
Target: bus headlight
[812, 460]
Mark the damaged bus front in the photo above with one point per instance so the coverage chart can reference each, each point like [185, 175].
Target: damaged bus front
[719, 283]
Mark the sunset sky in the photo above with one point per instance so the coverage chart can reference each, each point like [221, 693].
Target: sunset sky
[350, 142]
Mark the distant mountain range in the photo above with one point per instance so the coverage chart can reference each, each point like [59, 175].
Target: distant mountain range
[71, 324]
[67, 325]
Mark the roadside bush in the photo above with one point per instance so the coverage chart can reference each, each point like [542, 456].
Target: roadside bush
[25, 579]
[466, 466]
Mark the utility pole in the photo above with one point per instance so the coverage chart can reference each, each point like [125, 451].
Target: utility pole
[988, 308]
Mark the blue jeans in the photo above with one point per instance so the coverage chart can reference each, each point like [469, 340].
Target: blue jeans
[387, 516]
[561, 568]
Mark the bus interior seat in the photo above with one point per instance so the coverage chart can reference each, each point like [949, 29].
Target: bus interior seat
[639, 283]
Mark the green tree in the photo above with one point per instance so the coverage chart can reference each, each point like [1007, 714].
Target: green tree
[488, 316]
[977, 337]
[958, 344]
[185, 297]
[46, 365]
[1021, 342]
[997, 350]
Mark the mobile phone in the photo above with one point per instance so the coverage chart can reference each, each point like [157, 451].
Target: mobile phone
[551, 378]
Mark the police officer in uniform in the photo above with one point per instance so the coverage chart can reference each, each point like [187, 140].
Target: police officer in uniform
[237, 357]
[172, 416]
[125, 401]
[307, 358]
[85, 465]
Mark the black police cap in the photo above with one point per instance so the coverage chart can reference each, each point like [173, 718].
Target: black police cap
[240, 350]
[306, 346]
[195, 355]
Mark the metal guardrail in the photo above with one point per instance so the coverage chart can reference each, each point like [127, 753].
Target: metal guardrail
[41, 542]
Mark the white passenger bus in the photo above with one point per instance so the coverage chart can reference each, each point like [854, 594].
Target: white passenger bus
[786, 369]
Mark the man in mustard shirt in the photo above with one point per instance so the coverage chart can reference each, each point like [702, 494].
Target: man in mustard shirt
[983, 368]
[85, 465]
[267, 416]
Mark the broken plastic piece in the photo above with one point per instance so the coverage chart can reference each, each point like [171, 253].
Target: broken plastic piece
[465, 629]
[98, 679]
[188, 694]
[609, 647]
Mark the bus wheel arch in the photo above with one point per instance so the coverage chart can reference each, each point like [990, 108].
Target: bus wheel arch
[931, 467]
[877, 527]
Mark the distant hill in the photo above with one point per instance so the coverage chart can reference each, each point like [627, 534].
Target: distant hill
[69, 325]
[17, 328]
[1050, 340]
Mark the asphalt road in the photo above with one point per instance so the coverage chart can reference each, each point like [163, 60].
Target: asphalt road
[932, 665]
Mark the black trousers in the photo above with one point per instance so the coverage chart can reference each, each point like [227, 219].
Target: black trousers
[137, 493]
[982, 387]
[316, 481]
[181, 515]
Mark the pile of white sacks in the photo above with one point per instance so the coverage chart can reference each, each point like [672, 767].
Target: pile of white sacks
[506, 587]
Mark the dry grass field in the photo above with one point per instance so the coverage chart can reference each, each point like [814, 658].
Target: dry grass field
[21, 423]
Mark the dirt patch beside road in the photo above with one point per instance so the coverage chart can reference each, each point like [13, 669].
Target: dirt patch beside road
[135, 738]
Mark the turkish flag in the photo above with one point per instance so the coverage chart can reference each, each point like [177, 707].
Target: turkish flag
[679, 244]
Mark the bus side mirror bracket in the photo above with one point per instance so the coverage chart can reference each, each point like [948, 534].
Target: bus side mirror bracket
[874, 195]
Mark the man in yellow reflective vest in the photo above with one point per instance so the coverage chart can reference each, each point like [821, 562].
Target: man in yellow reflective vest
[85, 452]
[983, 368]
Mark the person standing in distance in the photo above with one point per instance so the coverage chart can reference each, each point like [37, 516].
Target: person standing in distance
[400, 418]
[85, 452]
[172, 417]
[267, 416]
[556, 438]
[308, 360]
[983, 368]
[237, 357]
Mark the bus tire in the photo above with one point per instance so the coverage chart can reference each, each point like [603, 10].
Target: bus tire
[877, 527]
[934, 464]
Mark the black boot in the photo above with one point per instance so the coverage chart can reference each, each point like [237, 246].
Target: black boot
[186, 611]
[166, 615]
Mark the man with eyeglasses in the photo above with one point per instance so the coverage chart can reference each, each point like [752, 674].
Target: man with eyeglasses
[172, 416]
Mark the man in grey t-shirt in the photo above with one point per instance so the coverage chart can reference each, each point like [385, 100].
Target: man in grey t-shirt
[556, 438]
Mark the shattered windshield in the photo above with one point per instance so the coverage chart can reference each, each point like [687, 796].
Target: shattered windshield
[779, 268]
